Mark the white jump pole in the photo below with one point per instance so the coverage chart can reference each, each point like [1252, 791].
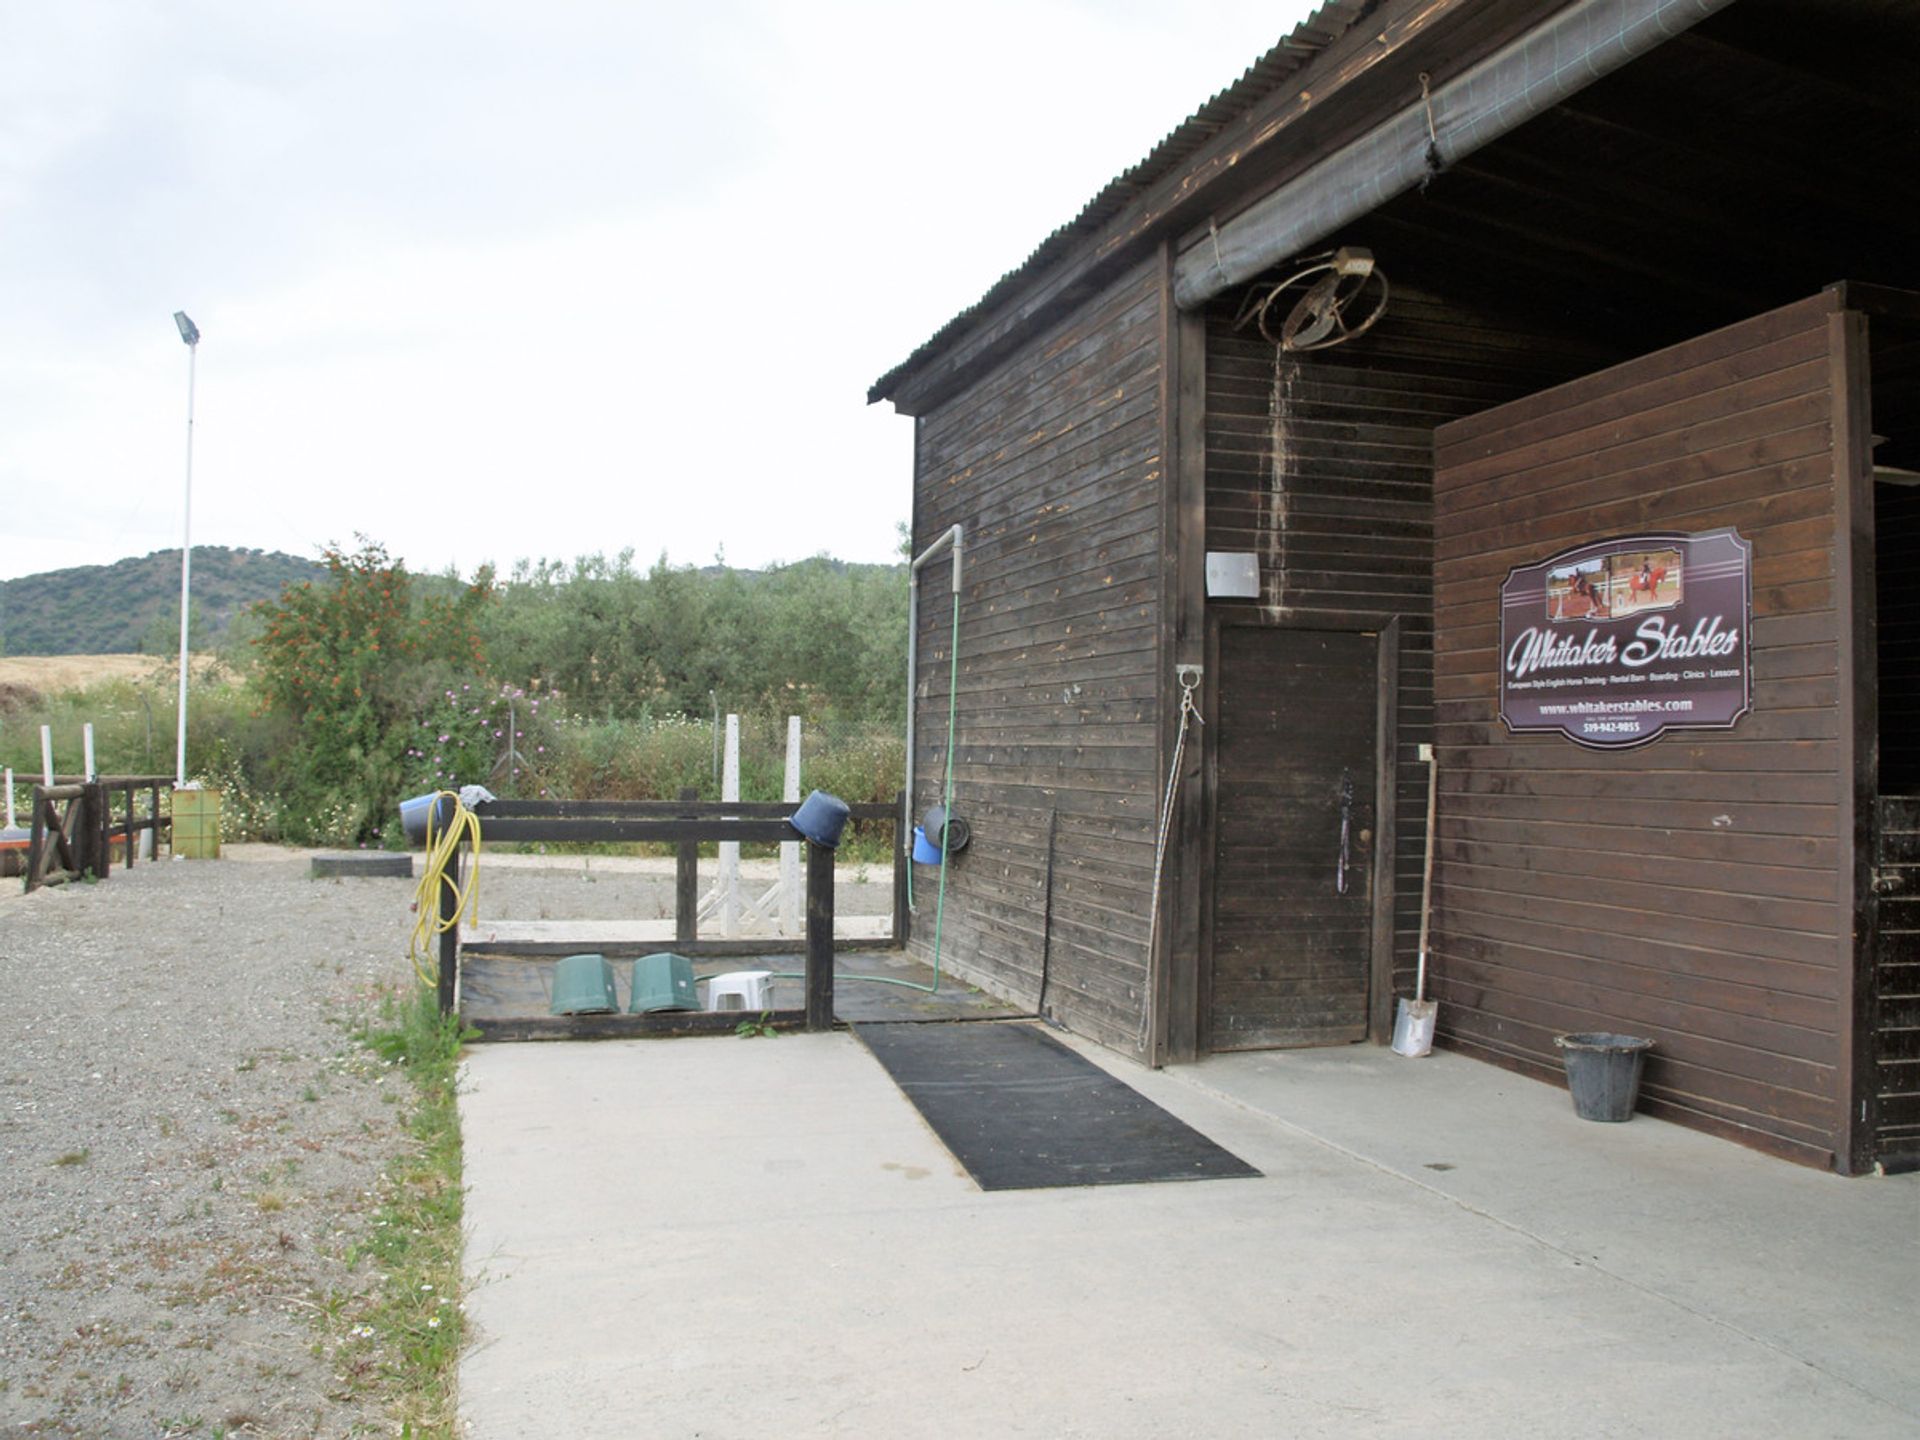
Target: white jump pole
[86, 741]
[730, 849]
[790, 850]
[46, 755]
[10, 824]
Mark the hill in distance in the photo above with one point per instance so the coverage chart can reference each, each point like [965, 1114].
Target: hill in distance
[119, 609]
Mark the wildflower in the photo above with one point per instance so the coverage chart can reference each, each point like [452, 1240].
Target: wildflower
[434, 1323]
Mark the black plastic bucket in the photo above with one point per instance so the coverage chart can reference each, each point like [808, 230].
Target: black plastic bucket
[1603, 1073]
[414, 815]
[821, 817]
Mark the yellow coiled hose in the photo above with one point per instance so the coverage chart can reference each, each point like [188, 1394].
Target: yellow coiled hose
[438, 876]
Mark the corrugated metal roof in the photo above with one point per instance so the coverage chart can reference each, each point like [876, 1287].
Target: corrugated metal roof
[1266, 75]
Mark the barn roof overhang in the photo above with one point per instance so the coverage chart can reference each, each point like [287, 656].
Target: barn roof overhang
[1733, 151]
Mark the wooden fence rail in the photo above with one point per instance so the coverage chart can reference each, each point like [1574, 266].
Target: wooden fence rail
[687, 823]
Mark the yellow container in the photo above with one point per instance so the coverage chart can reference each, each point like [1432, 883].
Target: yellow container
[196, 824]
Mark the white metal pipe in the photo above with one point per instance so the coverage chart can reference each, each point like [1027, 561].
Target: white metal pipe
[10, 797]
[956, 537]
[790, 852]
[46, 755]
[86, 738]
[730, 849]
[186, 567]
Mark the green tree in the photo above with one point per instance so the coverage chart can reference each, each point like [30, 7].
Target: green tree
[355, 661]
[815, 637]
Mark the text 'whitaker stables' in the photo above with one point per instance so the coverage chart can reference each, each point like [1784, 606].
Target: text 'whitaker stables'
[1679, 602]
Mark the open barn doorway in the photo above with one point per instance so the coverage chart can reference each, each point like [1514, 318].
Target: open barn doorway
[1294, 740]
[1892, 1099]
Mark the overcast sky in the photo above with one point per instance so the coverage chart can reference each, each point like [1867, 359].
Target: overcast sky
[490, 281]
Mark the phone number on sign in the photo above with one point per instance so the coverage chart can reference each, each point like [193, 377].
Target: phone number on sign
[1610, 727]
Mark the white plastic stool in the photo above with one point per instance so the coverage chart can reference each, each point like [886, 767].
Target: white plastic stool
[741, 990]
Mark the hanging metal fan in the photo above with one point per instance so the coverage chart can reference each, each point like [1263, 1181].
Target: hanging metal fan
[1331, 299]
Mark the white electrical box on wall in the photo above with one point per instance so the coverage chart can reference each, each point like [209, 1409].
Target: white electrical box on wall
[1233, 575]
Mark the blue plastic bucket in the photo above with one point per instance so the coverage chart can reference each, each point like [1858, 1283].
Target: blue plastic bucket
[414, 813]
[821, 818]
[925, 852]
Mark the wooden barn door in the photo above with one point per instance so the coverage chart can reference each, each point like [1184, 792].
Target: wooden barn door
[1293, 828]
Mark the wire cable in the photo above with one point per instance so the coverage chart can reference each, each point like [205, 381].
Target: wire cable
[1189, 713]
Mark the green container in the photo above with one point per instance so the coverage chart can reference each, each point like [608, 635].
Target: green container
[583, 985]
[196, 824]
[662, 982]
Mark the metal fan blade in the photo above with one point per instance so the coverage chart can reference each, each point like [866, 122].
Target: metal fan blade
[1314, 315]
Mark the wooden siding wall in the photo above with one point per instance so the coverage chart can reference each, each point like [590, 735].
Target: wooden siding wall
[1052, 463]
[1697, 889]
[1322, 464]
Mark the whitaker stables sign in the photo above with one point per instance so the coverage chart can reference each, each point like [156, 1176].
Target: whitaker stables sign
[1617, 642]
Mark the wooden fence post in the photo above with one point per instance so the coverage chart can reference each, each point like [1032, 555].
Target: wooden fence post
[819, 937]
[36, 838]
[686, 882]
[99, 838]
[449, 936]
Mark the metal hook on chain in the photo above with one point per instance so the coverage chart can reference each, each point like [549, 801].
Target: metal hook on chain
[1189, 677]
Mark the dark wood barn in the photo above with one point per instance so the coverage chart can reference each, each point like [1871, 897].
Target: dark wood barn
[1653, 267]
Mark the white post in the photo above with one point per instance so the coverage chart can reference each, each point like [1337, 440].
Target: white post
[10, 824]
[46, 755]
[86, 740]
[790, 850]
[730, 849]
[186, 553]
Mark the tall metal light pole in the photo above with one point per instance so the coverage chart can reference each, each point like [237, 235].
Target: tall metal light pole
[190, 333]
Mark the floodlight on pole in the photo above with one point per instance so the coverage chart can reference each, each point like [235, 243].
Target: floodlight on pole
[190, 333]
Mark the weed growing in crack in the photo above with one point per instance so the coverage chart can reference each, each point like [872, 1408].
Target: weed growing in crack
[404, 1339]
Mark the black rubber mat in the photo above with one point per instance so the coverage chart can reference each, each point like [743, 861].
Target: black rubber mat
[1023, 1112]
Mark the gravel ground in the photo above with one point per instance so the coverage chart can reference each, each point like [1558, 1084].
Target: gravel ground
[189, 1143]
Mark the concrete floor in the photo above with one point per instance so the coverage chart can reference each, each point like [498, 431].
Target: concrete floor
[742, 1238]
